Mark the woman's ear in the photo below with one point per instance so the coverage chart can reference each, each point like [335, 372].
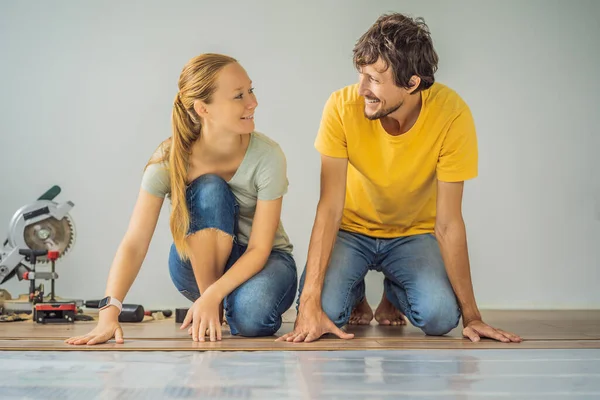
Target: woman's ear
[200, 108]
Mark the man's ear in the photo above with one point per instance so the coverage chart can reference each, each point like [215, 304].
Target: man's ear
[413, 84]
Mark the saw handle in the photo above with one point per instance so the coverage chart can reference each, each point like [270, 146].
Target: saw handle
[50, 193]
[32, 254]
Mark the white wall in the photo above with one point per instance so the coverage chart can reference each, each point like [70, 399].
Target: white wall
[86, 92]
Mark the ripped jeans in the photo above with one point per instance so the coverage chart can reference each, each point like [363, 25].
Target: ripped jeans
[255, 307]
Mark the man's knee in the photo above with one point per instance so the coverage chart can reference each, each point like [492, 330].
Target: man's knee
[436, 316]
[336, 308]
[343, 285]
[332, 304]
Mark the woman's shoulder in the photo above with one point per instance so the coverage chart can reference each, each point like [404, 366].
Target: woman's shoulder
[161, 154]
[268, 167]
[265, 145]
[156, 178]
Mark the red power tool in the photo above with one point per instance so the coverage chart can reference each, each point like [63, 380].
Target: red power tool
[52, 311]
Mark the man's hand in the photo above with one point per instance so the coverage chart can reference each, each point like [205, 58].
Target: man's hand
[476, 329]
[311, 324]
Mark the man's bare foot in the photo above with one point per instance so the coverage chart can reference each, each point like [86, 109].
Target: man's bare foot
[387, 314]
[362, 314]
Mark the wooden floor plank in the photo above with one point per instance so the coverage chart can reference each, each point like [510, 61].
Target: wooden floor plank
[321, 345]
[169, 330]
[188, 345]
[490, 344]
[554, 328]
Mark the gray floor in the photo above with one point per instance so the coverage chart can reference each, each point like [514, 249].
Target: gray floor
[452, 374]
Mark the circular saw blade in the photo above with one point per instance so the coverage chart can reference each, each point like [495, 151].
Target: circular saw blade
[50, 234]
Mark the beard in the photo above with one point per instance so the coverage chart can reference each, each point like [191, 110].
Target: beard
[383, 113]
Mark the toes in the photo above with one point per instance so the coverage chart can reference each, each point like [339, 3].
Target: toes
[359, 320]
[398, 321]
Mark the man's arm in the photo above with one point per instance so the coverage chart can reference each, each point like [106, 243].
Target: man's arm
[312, 322]
[452, 238]
[325, 228]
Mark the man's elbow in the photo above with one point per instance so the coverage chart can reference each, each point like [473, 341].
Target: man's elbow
[446, 230]
[331, 211]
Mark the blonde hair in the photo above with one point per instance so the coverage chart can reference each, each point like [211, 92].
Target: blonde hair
[196, 82]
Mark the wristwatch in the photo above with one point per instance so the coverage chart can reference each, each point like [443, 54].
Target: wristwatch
[110, 301]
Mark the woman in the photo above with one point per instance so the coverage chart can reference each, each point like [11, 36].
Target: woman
[226, 183]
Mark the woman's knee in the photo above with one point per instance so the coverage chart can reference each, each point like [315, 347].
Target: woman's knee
[208, 192]
[256, 307]
[251, 316]
[211, 204]
[254, 324]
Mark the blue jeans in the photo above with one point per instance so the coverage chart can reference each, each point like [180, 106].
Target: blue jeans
[415, 281]
[255, 307]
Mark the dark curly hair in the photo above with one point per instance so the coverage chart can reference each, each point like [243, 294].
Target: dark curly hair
[404, 44]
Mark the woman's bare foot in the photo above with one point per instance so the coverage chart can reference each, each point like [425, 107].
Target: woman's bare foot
[362, 314]
[387, 314]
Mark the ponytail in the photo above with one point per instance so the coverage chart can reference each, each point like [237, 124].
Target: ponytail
[185, 133]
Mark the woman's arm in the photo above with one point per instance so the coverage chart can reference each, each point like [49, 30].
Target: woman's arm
[272, 184]
[265, 223]
[125, 267]
[133, 248]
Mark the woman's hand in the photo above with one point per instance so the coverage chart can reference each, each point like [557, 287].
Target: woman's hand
[107, 328]
[204, 314]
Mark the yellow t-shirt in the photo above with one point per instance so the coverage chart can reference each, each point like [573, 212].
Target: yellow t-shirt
[392, 180]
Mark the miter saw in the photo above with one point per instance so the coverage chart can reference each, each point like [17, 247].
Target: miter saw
[40, 232]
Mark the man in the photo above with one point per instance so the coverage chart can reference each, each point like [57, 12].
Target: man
[395, 149]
